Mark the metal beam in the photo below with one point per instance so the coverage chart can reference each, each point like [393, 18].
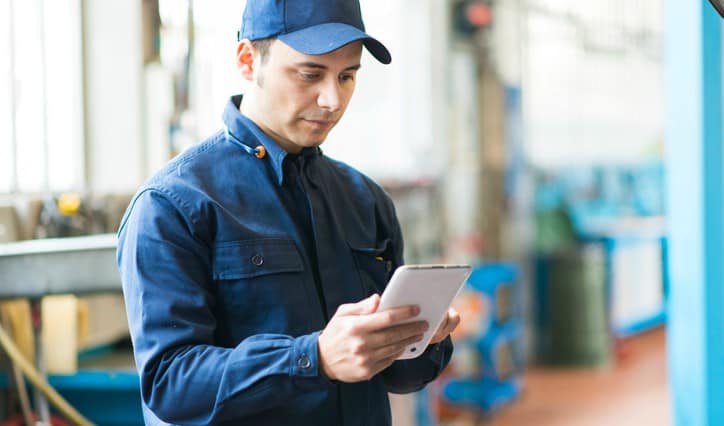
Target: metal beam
[78, 265]
[695, 191]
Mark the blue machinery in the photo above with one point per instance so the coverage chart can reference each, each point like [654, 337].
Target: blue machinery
[695, 210]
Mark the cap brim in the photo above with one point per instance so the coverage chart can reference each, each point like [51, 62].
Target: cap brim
[324, 38]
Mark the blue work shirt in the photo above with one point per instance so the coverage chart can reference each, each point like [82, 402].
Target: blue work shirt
[231, 266]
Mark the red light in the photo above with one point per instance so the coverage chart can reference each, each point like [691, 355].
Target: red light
[478, 14]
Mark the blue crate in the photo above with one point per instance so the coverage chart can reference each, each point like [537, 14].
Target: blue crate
[497, 282]
[501, 352]
[485, 278]
[486, 395]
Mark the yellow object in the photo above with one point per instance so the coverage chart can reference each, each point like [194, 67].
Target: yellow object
[71, 324]
[18, 377]
[60, 334]
[20, 326]
[69, 204]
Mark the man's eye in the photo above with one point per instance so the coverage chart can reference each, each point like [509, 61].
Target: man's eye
[309, 77]
[346, 77]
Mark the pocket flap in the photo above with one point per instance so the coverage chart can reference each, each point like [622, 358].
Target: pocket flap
[379, 250]
[252, 258]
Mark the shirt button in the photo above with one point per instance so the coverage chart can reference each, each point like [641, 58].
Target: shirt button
[388, 265]
[303, 362]
[257, 260]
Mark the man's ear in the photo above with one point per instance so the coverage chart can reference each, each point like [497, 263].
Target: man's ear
[245, 54]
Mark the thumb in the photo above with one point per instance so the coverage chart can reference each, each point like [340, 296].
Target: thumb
[363, 307]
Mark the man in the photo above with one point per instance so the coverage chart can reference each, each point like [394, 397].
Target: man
[252, 263]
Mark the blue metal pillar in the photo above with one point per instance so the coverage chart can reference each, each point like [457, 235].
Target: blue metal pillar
[695, 192]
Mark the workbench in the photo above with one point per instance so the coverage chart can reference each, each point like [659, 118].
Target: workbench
[78, 265]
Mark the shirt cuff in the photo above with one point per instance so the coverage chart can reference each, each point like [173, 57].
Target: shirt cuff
[304, 368]
[434, 353]
[438, 354]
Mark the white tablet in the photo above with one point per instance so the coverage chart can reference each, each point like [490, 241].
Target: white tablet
[432, 288]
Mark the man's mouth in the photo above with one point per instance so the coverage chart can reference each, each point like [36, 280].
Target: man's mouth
[321, 124]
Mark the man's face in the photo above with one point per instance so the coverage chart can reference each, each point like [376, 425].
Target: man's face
[296, 98]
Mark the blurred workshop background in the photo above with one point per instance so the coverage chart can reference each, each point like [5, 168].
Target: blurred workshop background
[571, 151]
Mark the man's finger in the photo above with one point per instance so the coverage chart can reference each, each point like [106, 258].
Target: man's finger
[363, 307]
[386, 362]
[395, 349]
[452, 320]
[390, 317]
[395, 334]
[454, 315]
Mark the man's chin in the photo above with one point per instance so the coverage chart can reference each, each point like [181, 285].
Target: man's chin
[314, 144]
[310, 139]
[314, 141]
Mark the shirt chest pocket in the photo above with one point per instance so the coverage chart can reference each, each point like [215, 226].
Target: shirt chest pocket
[255, 258]
[259, 283]
[374, 265]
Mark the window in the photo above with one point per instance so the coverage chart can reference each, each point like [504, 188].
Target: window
[41, 109]
[594, 79]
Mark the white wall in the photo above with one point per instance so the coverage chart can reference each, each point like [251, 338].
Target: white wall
[64, 94]
[41, 125]
[113, 92]
[593, 82]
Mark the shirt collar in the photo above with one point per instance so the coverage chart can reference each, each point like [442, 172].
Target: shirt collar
[248, 133]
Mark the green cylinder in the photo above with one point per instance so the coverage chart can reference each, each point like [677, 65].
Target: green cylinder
[573, 324]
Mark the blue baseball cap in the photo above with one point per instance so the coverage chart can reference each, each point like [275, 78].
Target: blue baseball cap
[312, 27]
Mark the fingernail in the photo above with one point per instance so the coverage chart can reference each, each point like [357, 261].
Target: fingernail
[416, 310]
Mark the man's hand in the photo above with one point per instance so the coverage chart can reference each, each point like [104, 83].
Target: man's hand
[451, 321]
[359, 342]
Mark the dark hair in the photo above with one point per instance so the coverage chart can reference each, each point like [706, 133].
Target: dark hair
[263, 45]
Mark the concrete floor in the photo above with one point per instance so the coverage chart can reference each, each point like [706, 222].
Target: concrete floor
[633, 391]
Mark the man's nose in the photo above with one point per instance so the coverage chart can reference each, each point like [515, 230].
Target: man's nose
[330, 96]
